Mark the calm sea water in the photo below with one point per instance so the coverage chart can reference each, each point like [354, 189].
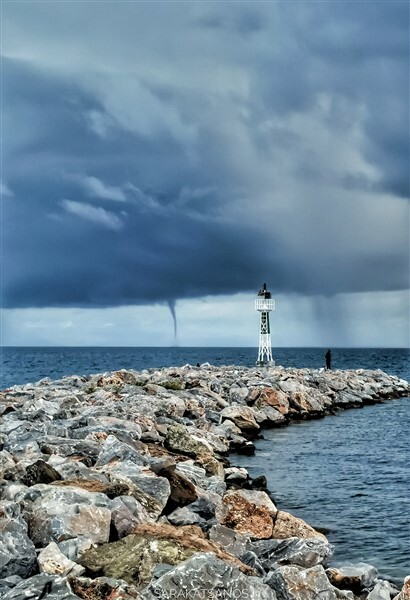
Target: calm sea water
[348, 473]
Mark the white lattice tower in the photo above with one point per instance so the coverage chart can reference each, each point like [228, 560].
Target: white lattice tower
[264, 304]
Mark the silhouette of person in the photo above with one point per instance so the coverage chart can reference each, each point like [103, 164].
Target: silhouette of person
[328, 358]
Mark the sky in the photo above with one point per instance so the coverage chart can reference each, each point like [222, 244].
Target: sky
[161, 160]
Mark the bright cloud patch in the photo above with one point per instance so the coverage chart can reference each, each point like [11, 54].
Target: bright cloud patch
[93, 213]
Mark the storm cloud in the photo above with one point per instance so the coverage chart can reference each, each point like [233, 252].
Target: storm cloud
[165, 151]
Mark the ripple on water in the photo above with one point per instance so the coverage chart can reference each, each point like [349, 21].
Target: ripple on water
[349, 474]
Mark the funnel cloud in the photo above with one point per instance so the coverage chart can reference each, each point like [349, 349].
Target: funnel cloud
[171, 306]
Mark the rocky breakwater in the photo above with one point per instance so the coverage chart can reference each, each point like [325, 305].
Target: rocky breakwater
[119, 486]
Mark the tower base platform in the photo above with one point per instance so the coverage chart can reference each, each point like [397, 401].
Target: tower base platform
[265, 363]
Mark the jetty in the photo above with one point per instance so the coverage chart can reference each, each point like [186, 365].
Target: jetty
[119, 486]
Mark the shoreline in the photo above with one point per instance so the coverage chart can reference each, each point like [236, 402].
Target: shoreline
[136, 464]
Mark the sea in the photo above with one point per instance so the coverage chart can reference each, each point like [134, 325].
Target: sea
[347, 473]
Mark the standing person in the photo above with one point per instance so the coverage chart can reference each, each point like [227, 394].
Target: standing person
[328, 358]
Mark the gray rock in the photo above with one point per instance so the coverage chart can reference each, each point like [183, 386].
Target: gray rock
[201, 512]
[160, 570]
[234, 542]
[227, 428]
[8, 583]
[199, 477]
[217, 442]
[73, 469]
[236, 474]
[87, 450]
[295, 551]
[361, 575]
[209, 575]
[268, 416]
[17, 551]
[203, 507]
[238, 394]
[344, 594]
[115, 451]
[74, 547]
[336, 384]
[116, 424]
[184, 516]
[57, 513]
[290, 385]
[13, 492]
[149, 489]
[295, 583]
[7, 463]
[52, 561]
[192, 472]
[42, 586]
[242, 416]
[11, 581]
[249, 558]
[347, 398]
[127, 513]
[23, 445]
[383, 590]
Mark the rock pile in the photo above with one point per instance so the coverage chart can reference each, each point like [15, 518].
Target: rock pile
[119, 486]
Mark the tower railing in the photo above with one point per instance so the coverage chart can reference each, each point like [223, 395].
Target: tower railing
[264, 304]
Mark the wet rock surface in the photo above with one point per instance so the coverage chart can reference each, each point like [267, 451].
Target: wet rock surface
[118, 485]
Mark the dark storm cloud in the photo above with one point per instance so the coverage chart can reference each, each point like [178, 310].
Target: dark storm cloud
[211, 169]
[361, 51]
[242, 20]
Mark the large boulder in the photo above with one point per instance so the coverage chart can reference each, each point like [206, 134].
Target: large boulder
[234, 542]
[275, 398]
[115, 451]
[383, 590]
[295, 583]
[52, 561]
[355, 577]
[149, 489]
[7, 464]
[286, 526]
[49, 587]
[117, 378]
[201, 512]
[249, 512]
[126, 514]
[116, 424]
[270, 417]
[295, 551]
[182, 489]
[85, 450]
[242, 416]
[307, 402]
[40, 472]
[57, 513]
[134, 557]
[210, 576]
[17, 551]
[178, 439]
[238, 393]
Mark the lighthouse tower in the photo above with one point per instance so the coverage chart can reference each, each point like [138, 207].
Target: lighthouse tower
[264, 304]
